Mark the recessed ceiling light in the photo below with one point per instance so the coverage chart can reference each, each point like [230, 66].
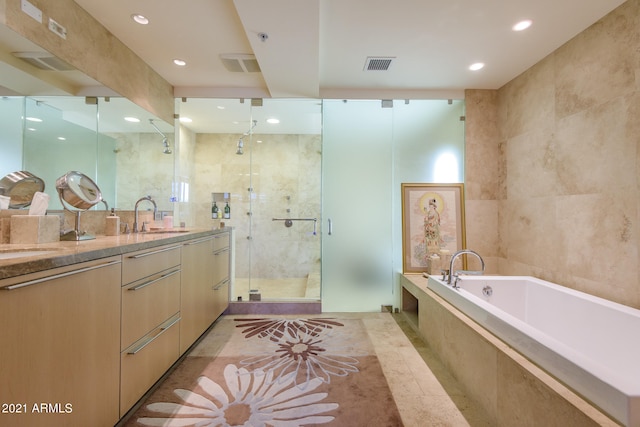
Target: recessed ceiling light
[522, 25]
[477, 66]
[62, 138]
[140, 19]
[132, 119]
[179, 62]
[221, 107]
[34, 119]
[185, 120]
[273, 121]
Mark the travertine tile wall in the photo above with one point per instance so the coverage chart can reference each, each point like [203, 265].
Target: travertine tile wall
[143, 169]
[553, 164]
[284, 172]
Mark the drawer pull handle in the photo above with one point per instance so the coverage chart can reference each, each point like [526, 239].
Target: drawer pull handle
[151, 339]
[221, 251]
[57, 276]
[154, 252]
[150, 282]
[195, 242]
[221, 284]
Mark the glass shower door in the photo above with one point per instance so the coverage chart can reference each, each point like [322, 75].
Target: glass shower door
[284, 187]
[357, 206]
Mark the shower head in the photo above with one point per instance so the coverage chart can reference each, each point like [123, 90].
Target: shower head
[240, 147]
[167, 150]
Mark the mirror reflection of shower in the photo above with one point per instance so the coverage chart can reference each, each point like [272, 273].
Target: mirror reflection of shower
[240, 144]
[165, 141]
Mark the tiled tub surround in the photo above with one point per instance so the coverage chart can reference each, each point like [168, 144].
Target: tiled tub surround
[60, 254]
[551, 165]
[581, 339]
[509, 387]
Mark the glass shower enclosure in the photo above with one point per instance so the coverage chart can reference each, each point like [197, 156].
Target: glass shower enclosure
[274, 185]
[315, 198]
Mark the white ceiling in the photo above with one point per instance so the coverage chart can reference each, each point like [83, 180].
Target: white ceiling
[318, 48]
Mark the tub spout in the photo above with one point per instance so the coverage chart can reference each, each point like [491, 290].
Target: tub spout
[459, 272]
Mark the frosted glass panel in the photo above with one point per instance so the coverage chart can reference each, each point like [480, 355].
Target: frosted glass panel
[429, 141]
[428, 148]
[357, 194]
[368, 152]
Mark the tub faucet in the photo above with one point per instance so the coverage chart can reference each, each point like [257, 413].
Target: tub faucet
[457, 273]
[135, 212]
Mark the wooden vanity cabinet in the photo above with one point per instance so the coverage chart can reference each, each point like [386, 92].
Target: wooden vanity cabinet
[196, 293]
[59, 358]
[151, 317]
[81, 344]
[205, 285]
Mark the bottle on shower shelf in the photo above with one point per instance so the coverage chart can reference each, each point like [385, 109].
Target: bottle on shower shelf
[215, 211]
[227, 211]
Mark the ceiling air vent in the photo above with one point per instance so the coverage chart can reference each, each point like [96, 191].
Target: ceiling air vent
[44, 61]
[240, 63]
[377, 63]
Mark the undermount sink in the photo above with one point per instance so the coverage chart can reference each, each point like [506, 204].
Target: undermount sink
[10, 253]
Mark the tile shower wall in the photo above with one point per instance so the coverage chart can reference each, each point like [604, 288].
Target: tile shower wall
[560, 198]
[285, 174]
[143, 169]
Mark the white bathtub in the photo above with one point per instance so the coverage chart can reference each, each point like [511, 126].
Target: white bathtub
[590, 344]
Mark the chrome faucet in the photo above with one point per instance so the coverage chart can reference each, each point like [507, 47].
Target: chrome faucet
[135, 212]
[453, 258]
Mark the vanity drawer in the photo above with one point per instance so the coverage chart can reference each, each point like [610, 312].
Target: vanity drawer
[146, 360]
[221, 298]
[148, 302]
[220, 266]
[136, 265]
[221, 241]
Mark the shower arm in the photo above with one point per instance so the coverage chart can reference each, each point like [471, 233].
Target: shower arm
[156, 128]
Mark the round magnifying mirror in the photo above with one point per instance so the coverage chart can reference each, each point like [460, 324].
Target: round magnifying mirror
[20, 187]
[80, 192]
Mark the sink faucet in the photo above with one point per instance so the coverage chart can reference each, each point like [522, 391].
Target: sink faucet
[135, 212]
[453, 258]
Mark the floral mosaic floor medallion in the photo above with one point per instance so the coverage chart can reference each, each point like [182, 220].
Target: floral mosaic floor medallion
[279, 372]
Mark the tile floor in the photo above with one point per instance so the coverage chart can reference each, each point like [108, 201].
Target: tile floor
[425, 393]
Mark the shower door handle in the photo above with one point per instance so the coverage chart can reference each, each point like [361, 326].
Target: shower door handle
[330, 227]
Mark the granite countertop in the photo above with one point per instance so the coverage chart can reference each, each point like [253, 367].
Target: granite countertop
[45, 256]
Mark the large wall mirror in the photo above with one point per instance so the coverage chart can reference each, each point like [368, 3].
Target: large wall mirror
[49, 129]
[109, 139]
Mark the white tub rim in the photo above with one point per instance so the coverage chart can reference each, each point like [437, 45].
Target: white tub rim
[622, 385]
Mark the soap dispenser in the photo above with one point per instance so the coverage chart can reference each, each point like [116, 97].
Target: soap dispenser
[112, 225]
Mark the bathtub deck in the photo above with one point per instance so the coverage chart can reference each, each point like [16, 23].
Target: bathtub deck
[511, 389]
